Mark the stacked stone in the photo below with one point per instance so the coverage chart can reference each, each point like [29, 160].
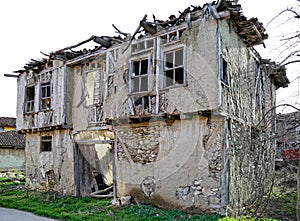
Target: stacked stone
[205, 189]
[142, 144]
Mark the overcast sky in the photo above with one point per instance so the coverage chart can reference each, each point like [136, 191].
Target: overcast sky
[31, 26]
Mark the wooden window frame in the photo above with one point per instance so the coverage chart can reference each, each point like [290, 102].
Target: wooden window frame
[174, 67]
[46, 143]
[29, 101]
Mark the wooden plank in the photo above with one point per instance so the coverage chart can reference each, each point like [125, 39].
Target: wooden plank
[126, 152]
[213, 135]
[93, 142]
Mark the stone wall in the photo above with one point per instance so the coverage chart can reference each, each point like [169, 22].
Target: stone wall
[174, 164]
[142, 144]
[251, 163]
[247, 99]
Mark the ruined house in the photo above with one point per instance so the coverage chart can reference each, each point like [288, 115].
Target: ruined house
[178, 115]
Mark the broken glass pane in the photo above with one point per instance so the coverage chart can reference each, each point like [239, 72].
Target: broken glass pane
[179, 78]
[179, 57]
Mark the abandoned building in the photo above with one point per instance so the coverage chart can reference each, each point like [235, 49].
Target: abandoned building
[178, 114]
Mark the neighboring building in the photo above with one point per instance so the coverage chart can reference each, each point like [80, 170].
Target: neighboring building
[288, 135]
[12, 145]
[7, 123]
[180, 117]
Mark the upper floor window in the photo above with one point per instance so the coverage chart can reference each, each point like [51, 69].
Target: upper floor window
[174, 71]
[46, 93]
[46, 143]
[29, 99]
[172, 36]
[139, 80]
[225, 72]
[142, 45]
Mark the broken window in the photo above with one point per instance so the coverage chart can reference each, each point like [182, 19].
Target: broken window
[225, 72]
[171, 36]
[46, 143]
[46, 93]
[29, 103]
[142, 45]
[143, 105]
[174, 71]
[90, 82]
[93, 84]
[139, 81]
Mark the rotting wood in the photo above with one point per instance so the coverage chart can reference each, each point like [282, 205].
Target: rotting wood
[120, 32]
[93, 141]
[128, 156]
[213, 135]
[134, 34]
[76, 45]
[98, 194]
[251, 31]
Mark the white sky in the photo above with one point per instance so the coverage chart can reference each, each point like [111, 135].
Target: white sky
[31, 26]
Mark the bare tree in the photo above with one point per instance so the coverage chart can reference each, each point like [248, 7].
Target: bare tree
[287, 53]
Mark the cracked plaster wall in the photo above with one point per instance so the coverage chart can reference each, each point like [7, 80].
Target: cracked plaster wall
[88, 92]
[183, 172]
[50, 170]
[54, 74]
[199, 94]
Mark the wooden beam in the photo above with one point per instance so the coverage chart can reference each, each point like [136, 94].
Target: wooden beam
[84, 142]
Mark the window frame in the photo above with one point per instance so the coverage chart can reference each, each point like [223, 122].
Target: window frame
[173, 49]
[142, 46]
[140, 76]
[46, 139]
[225, 73]
[28, 102]
[45, 98]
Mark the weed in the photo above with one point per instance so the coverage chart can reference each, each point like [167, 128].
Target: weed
[87, 208]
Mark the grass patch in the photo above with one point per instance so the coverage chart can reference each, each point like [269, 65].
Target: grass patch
[87, 208]
[282, 204]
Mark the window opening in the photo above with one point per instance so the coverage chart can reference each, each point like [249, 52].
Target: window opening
[139, 76]
[172, 36]
[225, 72]
[30, 93]
[46, 143]
[142, 45]
[174, 68]
[46, 96]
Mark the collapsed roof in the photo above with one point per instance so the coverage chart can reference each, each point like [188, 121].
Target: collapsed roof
[250, 30]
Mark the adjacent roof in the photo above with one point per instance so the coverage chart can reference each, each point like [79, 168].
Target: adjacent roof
[277, 73]
[7, 122]
[12, 139]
